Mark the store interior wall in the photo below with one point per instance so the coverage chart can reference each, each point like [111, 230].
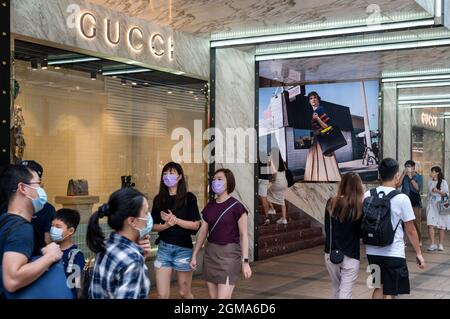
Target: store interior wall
[100, 130]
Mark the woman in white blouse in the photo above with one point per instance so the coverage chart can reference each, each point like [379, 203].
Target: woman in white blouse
[437, 188]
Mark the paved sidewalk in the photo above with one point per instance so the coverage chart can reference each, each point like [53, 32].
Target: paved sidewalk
[303, 275]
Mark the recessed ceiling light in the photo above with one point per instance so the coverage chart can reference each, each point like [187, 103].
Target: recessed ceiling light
[133, 83]
[169, 92]
[57, 67]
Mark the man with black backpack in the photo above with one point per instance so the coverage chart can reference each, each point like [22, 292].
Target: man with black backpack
[384, 211]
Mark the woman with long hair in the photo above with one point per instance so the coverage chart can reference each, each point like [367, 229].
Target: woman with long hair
[343, 232]
[318, 166]
[226, 252]
[176, 217]
[437, 188]
[120, 271]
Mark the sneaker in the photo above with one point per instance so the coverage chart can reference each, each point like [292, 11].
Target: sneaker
[282, 221]
[440, 247]
[271, 211]
[267, 222]
[432, 247]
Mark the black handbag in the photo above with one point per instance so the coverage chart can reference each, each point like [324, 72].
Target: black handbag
[331, 139]
[336, 255]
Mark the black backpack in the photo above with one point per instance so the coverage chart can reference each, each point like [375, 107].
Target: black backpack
[376, 224]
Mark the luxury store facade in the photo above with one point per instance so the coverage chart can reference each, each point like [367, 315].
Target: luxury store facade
[100, 93]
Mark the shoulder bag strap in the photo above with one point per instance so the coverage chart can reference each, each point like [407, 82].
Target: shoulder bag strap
[220, 217]
[72, 254]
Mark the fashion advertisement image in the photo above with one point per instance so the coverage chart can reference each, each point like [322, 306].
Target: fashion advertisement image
[322, 130]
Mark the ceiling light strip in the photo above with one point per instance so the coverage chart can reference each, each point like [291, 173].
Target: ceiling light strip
[423, 85]
[417, 78]
[415, 72]
[369, 48]
[314, 26]
[125, 71]
[424, 101]
[322, 33]
[423, 97]
[74, 60]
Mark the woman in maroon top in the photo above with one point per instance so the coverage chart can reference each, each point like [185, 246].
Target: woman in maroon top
[226, 253]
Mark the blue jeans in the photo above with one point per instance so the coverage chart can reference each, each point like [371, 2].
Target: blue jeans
[173, 256]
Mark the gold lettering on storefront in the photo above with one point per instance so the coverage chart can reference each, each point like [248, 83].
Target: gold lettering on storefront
[429, 120]
[91, 31]
[136, 39]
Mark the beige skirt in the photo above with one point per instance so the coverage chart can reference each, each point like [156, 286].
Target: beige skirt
[222, 263]
[320, 168]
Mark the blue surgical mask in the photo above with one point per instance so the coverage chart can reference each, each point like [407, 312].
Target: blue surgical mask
[56, 234]
[148, 228]
[40, 201]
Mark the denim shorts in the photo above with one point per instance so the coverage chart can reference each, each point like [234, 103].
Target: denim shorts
[173, 256]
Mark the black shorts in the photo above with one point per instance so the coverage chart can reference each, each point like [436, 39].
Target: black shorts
[394, 274]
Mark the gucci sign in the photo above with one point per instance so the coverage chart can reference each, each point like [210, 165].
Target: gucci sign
[429, 120]
[115, 33]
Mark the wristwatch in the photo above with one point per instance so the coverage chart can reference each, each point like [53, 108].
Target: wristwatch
[245, 260]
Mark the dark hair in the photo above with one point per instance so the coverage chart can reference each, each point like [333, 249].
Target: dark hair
[34, 166]
[438, 170]
[10, 177]
[387, 169]
[410, 163]
[68, 216]
[281, 163]
[231, 182]
[348, 201]
[314, 93]
[163, 196]
[123, 203]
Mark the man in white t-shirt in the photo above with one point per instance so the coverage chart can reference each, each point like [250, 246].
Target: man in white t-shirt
[391, 259]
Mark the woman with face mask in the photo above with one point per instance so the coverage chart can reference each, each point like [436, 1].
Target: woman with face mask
[176, 215]
[120, 271]
[225, 224]
[21, 197]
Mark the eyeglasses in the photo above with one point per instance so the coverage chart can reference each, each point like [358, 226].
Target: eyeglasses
[41, 184]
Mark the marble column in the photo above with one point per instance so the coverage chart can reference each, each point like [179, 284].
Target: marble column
[404, 133]
[235, 108]
[389, 113]
[447, 149]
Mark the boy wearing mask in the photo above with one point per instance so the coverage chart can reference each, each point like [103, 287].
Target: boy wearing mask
[64, 226]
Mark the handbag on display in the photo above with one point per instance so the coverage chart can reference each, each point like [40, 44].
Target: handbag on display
[331, 139]
[77, 187]
[336, 255]
[444, 206]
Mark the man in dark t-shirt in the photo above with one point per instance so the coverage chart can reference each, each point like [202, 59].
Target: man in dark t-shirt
[42, 220]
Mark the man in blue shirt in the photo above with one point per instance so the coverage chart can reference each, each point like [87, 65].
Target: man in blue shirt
[20, 191]
[412, 183]
[42, 221]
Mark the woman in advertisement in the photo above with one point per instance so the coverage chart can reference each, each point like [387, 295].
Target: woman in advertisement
[318, 166]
